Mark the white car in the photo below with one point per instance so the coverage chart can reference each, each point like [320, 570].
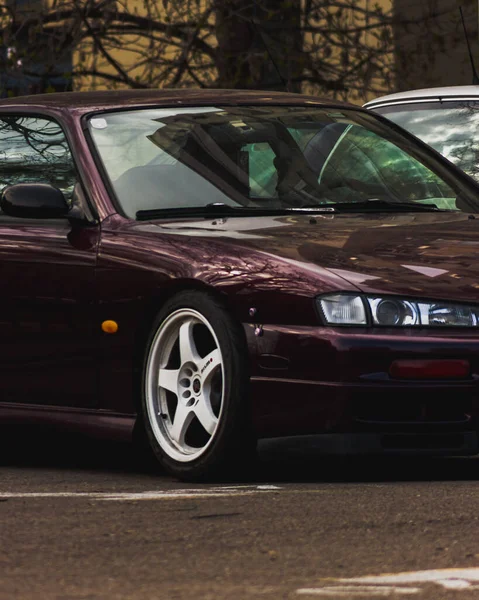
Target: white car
[446, 118]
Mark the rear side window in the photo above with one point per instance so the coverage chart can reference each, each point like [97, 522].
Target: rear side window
[35, 150]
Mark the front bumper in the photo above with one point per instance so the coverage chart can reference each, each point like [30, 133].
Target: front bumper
[330, 381]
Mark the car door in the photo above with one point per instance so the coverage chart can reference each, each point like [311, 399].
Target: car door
[47, 349]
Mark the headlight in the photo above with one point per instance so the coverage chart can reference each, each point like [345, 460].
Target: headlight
[389, 311]
[342, 309]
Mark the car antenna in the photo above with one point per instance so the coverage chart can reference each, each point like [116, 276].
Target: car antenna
[259, 32]
[475, 77]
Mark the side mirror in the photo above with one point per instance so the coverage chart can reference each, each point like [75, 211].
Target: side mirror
[33, 201]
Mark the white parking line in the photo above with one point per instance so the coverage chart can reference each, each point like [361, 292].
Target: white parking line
[350, 591]
[239, 490]
[399, 583]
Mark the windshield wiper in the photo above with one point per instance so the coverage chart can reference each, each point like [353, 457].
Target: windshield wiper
[218, 209]
[225, 210]
[383, 205]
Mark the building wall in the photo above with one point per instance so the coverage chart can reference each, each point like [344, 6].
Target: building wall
[23, 71]
[382, 84]
[430, 47]
[130, 54]
[131, 51]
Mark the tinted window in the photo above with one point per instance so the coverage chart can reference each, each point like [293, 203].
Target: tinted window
[265, 157]
[35, 150]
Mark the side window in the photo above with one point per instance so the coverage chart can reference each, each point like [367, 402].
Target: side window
[35, 150]
[361, 164]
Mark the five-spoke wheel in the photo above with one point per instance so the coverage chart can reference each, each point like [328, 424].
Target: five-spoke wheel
[184, 384]
[195, 381]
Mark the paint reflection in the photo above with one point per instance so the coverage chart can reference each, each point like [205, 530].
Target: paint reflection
[291, 256]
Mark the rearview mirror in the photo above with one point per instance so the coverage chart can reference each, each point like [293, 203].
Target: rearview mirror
[33, 201]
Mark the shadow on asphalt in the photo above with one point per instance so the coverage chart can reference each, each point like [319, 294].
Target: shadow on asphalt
[279, 460]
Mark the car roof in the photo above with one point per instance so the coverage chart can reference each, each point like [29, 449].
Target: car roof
[85, 102]
[438, 93]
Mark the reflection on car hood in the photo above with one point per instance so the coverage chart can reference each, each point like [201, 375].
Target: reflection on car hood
[434, 255]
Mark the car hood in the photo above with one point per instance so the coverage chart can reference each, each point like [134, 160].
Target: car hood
[428, 255]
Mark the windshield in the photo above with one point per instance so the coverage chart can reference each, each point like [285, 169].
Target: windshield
[451, 128]
[266, 157]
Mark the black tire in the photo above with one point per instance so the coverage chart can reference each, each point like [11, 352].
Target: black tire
[229, 450]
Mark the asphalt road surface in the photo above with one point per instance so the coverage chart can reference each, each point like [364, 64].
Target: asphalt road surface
[84, 520]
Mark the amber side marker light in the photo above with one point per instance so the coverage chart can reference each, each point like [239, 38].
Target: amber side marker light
[109, 326]
[430, 369]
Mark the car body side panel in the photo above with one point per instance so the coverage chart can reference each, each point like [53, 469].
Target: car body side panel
[47, 342]
[139, 266]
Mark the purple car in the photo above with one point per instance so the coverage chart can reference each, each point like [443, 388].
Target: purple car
[203, 268]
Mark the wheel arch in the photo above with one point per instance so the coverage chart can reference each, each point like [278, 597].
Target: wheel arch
[151, 309]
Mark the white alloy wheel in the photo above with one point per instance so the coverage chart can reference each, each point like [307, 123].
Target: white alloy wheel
[184, 385]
